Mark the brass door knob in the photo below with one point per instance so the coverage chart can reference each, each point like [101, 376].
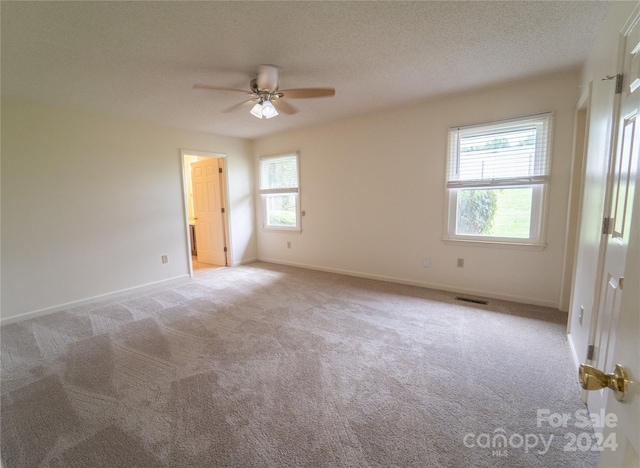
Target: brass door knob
[594, 379]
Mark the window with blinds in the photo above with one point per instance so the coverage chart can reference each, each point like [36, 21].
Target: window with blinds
[497, 178]
[280, 190]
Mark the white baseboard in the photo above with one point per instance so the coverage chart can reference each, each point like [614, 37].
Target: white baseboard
[245, 261]
[576, 362]
[89, 300]
[442, 287]
[184, 278]
[574, 354]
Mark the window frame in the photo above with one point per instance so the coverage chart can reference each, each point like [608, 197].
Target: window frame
[538, 182]
[264, 194]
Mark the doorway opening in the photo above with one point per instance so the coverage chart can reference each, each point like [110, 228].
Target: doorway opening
[580, 140]
[206, 210]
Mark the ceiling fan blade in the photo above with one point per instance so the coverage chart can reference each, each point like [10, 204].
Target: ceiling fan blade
[267, 78]
[307, 93]
[237, 106]
[284, 107]
[220, 88]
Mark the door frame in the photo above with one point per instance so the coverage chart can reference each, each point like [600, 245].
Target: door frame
[224, 189]
[574, 206]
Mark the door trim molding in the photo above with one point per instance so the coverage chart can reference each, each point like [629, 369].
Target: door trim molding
[225, 198]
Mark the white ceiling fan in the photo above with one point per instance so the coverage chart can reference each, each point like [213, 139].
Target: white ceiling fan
[266, 95]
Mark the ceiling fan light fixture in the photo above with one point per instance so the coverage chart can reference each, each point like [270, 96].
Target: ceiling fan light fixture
[269, 110]
[257, 110]
[265, 91]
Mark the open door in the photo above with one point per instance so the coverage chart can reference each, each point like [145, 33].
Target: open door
[623, 428]
[614, 397]
[205, 195]
[209, 212]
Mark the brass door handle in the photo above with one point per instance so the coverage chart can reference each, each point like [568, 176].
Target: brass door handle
[594, 379]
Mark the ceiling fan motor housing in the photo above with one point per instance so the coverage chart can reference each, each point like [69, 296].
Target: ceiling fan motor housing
[267, 79]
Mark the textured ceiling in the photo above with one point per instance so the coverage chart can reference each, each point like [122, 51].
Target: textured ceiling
[139, 60]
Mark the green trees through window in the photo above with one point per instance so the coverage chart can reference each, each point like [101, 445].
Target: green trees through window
[504, 212]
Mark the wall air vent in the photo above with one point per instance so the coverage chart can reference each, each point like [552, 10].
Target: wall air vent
[468, 299]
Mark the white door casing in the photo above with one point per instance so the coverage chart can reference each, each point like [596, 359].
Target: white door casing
[584, 297]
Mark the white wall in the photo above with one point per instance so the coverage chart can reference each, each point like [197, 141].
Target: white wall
[90, 203]
[601, 62]
[373, 191]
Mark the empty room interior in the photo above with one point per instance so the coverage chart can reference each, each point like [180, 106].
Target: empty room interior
[325, 233]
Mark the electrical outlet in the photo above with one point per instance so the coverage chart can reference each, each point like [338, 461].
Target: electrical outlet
[165, 259]
[426, 262]
[581, 316]
[460, 263]
[288, 245]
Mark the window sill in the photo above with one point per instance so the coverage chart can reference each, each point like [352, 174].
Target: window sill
[496, 244]
[282, 230]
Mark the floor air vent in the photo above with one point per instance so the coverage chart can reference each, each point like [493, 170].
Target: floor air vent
[468, 299]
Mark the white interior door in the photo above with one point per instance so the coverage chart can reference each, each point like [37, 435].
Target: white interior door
[625, 431]
[617, 333]
[208, 214]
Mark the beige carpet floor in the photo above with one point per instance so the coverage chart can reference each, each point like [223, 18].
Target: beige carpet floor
[273, 366]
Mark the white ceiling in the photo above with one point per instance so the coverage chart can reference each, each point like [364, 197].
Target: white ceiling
[139, 60]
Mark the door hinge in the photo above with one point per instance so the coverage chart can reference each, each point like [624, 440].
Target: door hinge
[220, 170]
[618, 78]
[225, 249]
[607, 225]
[223, 210]
[590, 352]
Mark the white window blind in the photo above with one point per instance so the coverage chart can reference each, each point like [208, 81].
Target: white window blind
[511, 152]
[279, 174]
